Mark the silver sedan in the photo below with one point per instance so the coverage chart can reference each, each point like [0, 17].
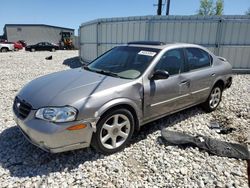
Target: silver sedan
[101, 104]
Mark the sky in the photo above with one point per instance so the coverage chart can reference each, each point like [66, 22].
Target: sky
[71, 13]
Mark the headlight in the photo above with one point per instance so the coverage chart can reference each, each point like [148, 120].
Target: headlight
[57, 114]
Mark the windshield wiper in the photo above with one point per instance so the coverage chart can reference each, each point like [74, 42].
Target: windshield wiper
[108, 73]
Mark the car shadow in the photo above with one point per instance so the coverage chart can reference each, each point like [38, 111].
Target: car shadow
[22, 159]
[167, 121]
[73, 62]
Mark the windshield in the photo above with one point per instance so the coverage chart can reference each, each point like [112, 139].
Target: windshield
[124, 62]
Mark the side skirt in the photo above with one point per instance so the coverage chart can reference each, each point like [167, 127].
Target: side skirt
[169, 113]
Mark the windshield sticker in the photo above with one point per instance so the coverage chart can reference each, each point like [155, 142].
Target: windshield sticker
[148, 53]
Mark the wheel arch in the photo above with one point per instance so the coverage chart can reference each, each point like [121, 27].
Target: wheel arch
[220, 83]
[122, 103]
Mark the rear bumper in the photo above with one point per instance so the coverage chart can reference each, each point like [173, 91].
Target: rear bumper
[54, 138]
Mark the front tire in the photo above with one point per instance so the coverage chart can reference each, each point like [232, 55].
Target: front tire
[213, 100]
[4, 50]
[53, 50]
[33, 50]
[114, 131]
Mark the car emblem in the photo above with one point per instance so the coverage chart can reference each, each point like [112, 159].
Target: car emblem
[18, 104]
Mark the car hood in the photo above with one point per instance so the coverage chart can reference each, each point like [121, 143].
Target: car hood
[66, 87]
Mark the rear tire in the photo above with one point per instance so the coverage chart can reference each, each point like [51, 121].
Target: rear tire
[114, 131]
[53, 50]
[213, 100]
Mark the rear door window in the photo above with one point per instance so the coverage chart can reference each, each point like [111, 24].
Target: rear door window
[196, 59]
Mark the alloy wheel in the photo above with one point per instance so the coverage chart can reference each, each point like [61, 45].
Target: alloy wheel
[115, 131]
[215, 97]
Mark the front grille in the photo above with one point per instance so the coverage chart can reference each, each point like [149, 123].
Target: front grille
[21, 108]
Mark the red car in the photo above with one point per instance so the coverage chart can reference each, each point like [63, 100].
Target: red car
[18, 46]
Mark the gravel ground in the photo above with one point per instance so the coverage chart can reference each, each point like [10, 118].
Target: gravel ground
[145, 163]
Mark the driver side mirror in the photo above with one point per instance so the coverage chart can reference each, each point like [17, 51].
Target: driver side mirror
[160, 75]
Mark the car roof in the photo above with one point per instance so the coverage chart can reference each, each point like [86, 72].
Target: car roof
[162, 45]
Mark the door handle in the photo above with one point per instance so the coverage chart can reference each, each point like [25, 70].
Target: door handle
[213, 74]
[185, 82]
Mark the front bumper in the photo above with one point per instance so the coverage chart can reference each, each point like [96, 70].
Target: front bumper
[53, 137]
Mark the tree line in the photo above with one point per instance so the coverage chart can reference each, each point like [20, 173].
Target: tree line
[209, 7]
